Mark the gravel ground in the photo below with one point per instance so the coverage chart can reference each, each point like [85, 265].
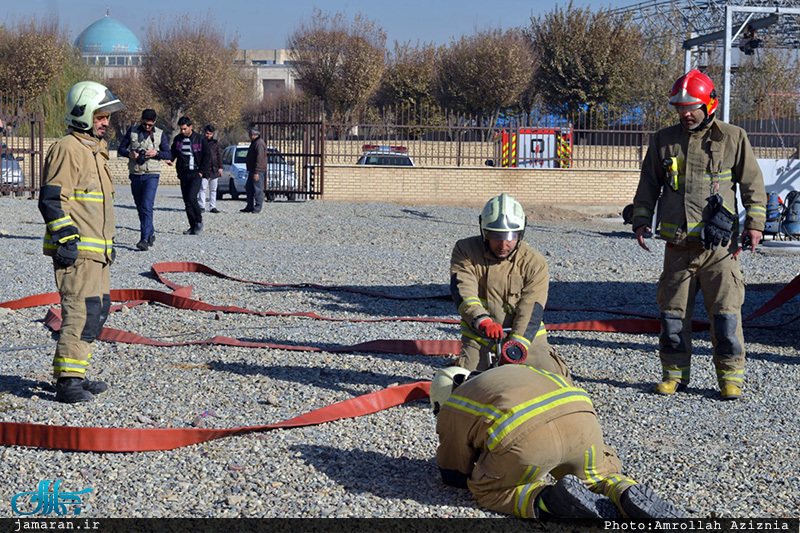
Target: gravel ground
[719, 459]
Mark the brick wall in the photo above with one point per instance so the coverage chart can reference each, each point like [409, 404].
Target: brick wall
[472, 186]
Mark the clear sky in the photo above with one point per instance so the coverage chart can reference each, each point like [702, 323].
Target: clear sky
[266, 23]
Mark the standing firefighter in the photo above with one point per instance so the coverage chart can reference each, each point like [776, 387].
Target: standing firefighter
[498, 283]
[502, 431]
[76, 202]
[696, 167]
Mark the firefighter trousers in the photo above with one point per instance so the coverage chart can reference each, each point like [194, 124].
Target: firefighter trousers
[475, 356]
[85, 301]
[509, 482]
[688, 270]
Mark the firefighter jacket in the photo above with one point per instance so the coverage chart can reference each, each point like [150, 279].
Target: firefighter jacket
[493, 411]
[511, 291]
[686, 168]
[137, 140]
[77, 194]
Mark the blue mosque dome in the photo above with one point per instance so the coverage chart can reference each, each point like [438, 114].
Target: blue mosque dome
[108, 36]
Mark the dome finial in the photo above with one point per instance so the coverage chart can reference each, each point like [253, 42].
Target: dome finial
[107, 11]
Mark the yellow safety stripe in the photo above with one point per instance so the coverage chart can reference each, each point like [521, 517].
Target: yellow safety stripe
[87, 196]
[470, 406]
[520, 414]
[57, 224]
[525, 342]
[643, 212]
[736, 376]
[468, 302]
[555, 378]
[757, 211]
[590, 466]
[530, 473]
[467, 332]
[680, 374]
[724, 176]
[522, 496]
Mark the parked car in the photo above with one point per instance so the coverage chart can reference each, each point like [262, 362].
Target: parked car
[10, 170]
[385, 155]
[281, 177]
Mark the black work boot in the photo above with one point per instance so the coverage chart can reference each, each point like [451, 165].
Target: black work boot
[569, 498]
[70, 390]
[639, 501]
[95, 387]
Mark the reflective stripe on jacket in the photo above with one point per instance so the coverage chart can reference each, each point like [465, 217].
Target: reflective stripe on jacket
[716, 159]
[512, 292]
[78, 191]
[492, 411]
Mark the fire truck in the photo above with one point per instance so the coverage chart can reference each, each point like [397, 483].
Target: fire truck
[534, 148]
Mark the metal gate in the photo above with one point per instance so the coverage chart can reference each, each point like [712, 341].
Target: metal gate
[21, 152]
[295, 137]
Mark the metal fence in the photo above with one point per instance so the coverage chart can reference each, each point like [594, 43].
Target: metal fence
[21, 151]
[433, 137]
[295, 135]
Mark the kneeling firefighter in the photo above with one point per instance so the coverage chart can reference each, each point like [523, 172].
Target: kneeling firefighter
[503, 430]
[499, 284]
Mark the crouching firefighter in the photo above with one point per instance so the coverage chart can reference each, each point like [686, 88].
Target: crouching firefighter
[696, 166]
[502, 431]
[499, 284]
[76, 202]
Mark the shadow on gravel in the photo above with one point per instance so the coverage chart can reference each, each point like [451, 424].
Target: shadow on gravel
[326, 378]
[645, 387]
[156, 208]
[386, 477]
[39, 238]
[618, 234]
[436, 301]
[20, 387]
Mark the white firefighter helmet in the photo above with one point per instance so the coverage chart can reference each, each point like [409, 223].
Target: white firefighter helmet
[84, 99]
[444, 381]
[503, 217]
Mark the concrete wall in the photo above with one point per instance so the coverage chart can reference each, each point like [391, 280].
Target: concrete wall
[472, 186]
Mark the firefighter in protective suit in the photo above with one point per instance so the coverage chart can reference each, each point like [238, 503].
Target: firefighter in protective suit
[76, 202]
[502, 431]
[499, 284]
[696, 168]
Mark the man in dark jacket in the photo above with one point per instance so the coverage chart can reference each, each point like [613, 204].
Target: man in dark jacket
[209, 188]
[192, 155]
[256, 172]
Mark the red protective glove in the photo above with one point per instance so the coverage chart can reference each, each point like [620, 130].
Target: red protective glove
[491, 329]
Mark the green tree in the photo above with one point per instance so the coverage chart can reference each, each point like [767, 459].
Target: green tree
[189, 66]
[408, 78]
[586, 58]
[338, 62]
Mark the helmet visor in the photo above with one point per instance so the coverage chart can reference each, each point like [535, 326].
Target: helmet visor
[110, 103]
[502, 235]
[683, 108]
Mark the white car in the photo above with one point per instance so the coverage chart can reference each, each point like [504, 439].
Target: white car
[393, 156]
[10, 170]
[281, 177]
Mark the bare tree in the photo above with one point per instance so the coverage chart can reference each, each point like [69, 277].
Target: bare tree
[189, 66]
[137, 95]
[31, 55]
[338, 62]
[586, 58]
[766, 84]
[484, 73]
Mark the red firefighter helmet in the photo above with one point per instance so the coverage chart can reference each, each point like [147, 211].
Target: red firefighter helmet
[694, 89]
